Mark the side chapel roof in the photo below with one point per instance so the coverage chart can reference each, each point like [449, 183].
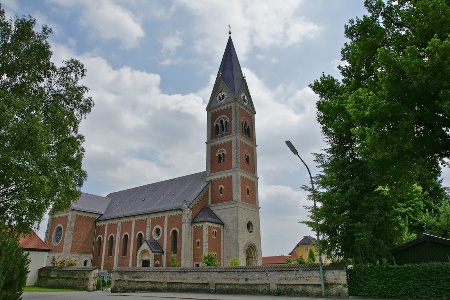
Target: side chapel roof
[207, 215]
[154, 246]
[156, 197]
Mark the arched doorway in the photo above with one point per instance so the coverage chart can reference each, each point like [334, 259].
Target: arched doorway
[144, 259]
[250, 256]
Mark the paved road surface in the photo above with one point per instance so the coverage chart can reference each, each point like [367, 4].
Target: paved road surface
[145, 296]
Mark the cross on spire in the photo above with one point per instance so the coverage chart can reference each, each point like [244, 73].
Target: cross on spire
[229, 29]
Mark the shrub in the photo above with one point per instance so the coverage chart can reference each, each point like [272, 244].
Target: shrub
[209, 259]
[311, 256]
[408, 281]
[289, 260]
[173, 261]
[234, 262]
[71, 263]
[300, 260]
[13, 265]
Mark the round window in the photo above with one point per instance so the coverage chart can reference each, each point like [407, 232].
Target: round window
[156, 232]
[250, 227]
[57, 235]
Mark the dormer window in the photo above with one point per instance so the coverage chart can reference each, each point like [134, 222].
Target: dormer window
[246, 128]
[221, 125]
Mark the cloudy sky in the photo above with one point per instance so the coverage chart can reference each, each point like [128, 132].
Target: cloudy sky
[151, 66]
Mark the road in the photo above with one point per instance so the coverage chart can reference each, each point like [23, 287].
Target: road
[145, 296]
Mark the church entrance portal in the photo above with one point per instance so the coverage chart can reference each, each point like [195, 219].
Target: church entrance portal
[145, 259]
[250, 256]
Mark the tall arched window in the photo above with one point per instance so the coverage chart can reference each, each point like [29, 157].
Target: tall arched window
[174, 241]
[110, 245]
[99, 246]
[125, 245]
[140, 240]
[221, 156]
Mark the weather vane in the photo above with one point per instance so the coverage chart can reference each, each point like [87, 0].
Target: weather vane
[229, 29]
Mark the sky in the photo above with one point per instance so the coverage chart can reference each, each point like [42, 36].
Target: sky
[151, 66]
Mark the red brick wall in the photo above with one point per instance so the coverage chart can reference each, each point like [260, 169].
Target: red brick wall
[245, 182]
[155, 222]
[173, 222]
[200, 203]
[61, 220]
[139, 226]
[123, 261]
[250, 168]
[218, 167]
[215, 243]
[83, 234]
[227, 112]
[157, 258]
[109, 260]
[197, 234]
[227, 183]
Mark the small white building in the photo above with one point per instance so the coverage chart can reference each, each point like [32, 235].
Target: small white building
[37, 253]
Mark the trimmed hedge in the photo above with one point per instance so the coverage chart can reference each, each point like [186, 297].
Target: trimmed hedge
[429, 280]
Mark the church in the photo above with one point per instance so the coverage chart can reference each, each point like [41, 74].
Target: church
[177, 221]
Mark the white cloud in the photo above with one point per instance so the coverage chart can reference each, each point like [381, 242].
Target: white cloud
[108, 21]
[262, 25]
[171, 43]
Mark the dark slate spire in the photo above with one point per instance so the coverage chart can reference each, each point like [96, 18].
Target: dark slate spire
[230, 69]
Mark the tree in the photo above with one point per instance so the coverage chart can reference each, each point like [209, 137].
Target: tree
[209, 260]
[311, 256]
[387, 127]
[13, 265]
[40, 110]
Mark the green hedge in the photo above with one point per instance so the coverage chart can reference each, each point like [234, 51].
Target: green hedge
[430, 280]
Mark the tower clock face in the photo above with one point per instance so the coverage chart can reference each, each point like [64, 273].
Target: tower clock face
[244, 98]
[221, 96]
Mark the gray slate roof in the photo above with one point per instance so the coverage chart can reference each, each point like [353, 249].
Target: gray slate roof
[230, 69]
[207, 215]
[91, 203]
[156, 197]
[154, 246]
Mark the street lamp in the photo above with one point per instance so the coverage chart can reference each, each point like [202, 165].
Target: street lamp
[322, 285]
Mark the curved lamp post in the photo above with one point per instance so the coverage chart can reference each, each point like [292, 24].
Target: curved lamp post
[322, 285]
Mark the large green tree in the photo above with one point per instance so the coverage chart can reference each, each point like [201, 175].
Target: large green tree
[41, 106]
[387, 125]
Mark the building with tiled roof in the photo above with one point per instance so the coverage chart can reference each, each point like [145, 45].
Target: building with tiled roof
[183, 218]
[37, 253]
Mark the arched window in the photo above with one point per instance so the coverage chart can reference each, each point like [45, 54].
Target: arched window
[110, 245]
[221, 156]
[248, 191]
[221, 125]
[99, 246]
[247, 158]
[125, 245]
[198, 243]
[174, 241]
[140, 240]
[214, 233]
[221, 190]
[246, 128]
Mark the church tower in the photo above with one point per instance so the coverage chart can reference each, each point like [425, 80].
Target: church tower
[231, 161]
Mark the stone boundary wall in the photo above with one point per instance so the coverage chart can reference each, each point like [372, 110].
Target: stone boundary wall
[298, 280]
[80, 278]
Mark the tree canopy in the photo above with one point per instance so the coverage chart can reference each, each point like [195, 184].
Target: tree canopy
[387, 125]
[41, 108]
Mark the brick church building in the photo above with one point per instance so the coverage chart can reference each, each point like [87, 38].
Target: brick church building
[181, 218]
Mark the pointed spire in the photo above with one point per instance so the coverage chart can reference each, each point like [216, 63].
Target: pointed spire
[230, 69]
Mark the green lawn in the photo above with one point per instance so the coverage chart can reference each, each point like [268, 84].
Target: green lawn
[35, 288]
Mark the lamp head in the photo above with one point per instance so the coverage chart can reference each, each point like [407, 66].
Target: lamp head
[289, 144]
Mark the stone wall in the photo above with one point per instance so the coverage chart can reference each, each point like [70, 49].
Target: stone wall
[80, 278]
[298, 280]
